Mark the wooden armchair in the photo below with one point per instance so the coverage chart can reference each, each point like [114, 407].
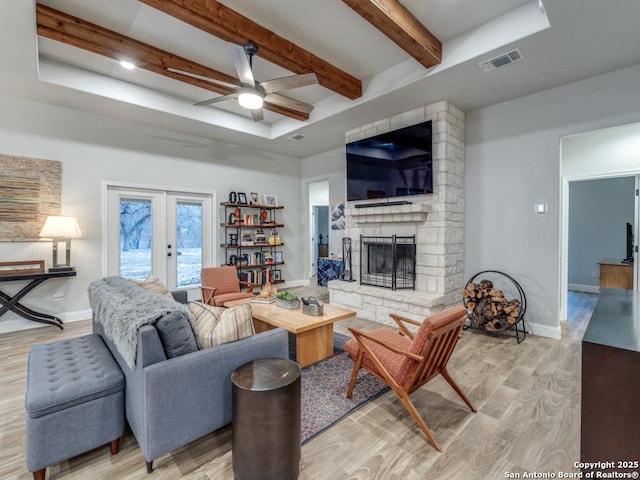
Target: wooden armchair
[405, 361]
[221, 284]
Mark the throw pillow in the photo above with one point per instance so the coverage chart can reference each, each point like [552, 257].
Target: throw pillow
[176, 334]
[153, 284]
[218, 325]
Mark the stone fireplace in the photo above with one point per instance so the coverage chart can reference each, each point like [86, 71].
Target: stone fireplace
[435, 221]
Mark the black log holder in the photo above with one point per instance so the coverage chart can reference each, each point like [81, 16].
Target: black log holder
[488, 312]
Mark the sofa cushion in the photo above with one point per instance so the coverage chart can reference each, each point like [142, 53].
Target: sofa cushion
[154, 284]
[176, 334]
[217, 325]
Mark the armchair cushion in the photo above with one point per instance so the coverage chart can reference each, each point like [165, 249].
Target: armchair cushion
[176, 335]
[224, 279]
[220, 299]
[399, 366]
[218, 325]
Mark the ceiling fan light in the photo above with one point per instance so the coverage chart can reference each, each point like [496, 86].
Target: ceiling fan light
[250, 100]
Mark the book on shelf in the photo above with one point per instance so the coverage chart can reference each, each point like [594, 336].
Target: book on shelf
[256, 277]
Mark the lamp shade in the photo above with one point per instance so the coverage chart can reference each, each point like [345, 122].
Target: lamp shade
[59, 226]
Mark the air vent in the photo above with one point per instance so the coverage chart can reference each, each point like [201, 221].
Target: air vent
[501, 60]
[297, 137]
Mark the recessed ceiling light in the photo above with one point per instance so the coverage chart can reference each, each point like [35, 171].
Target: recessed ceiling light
[127, 65]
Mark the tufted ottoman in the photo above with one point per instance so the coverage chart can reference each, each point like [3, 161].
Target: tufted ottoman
[74, 401]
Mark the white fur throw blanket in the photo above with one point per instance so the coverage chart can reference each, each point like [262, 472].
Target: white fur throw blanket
[121, 307]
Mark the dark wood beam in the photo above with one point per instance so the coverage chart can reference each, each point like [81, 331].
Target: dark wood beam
[396, 22]
[78, 33]
[218, 20]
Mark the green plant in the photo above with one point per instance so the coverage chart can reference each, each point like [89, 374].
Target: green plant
[289, 296]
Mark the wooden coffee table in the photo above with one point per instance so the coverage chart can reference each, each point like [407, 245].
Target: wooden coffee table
[313, 334]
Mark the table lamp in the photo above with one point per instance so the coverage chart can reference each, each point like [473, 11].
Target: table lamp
[60, 229]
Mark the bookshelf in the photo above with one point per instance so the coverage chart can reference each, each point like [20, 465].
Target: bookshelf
[252, 241]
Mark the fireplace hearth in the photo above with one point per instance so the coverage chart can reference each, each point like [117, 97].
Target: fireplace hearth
[388, 262]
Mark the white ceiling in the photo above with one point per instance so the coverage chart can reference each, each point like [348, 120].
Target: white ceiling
[566, 41]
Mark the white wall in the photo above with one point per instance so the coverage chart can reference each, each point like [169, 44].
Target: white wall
[513, 162]
[93, 149]
[614, 150]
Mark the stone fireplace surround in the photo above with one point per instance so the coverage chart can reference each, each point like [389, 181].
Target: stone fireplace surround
[437, 221]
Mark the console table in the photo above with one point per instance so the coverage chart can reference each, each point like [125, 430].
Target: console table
[12, 303]
[611, 379]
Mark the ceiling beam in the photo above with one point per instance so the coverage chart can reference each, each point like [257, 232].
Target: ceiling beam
[220, 21]
[396, 22]
[78, 33]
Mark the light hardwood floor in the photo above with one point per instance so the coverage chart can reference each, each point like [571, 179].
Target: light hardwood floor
[527, 395]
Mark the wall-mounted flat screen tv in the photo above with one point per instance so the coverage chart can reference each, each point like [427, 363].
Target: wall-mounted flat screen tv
[393, 164]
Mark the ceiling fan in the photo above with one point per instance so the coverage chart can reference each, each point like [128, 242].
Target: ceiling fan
[252, 94]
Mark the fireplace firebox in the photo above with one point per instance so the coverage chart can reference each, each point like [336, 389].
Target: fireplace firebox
[388, 262]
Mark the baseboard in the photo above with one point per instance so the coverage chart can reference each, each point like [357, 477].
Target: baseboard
[71, 317]
[578, 287]
[16, 324]
[544, 330]
[294, 283]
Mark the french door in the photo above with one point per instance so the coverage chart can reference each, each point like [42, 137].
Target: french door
[163, 233]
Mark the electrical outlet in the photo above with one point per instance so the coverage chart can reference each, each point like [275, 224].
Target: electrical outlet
[594, 273]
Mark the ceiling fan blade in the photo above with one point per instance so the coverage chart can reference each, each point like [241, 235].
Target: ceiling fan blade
[242, 65]
[201, 77]
[287, 102]
[221, 98]
[257, 114]
[286, 83]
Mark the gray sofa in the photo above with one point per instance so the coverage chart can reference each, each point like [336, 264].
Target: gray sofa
[170, 402]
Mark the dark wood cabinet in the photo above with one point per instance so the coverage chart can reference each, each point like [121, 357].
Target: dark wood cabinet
[610, 410]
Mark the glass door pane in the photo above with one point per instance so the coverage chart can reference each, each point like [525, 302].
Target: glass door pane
[136, 259]
[189, 251]
[161, 233]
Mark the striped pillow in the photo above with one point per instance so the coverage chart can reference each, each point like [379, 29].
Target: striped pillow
[218, 325]
[153, 284]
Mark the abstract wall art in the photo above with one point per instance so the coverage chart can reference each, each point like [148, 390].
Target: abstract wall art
[30, 190]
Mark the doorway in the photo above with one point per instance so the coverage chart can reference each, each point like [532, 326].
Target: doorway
[599, 211]
[320, 232]
[319, 221]
[163, 233]
[601, 154]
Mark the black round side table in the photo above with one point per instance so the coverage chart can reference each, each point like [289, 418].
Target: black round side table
[266, 420]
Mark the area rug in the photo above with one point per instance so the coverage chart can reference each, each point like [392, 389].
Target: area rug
[324, 391]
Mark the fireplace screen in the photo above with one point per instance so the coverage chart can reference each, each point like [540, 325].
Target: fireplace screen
[388, 262]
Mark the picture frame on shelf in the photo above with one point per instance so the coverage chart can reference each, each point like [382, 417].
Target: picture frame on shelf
[277, 257]
[242, 198]
[277, 275]
[255, 198]
[261, 238]
[271, 200]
